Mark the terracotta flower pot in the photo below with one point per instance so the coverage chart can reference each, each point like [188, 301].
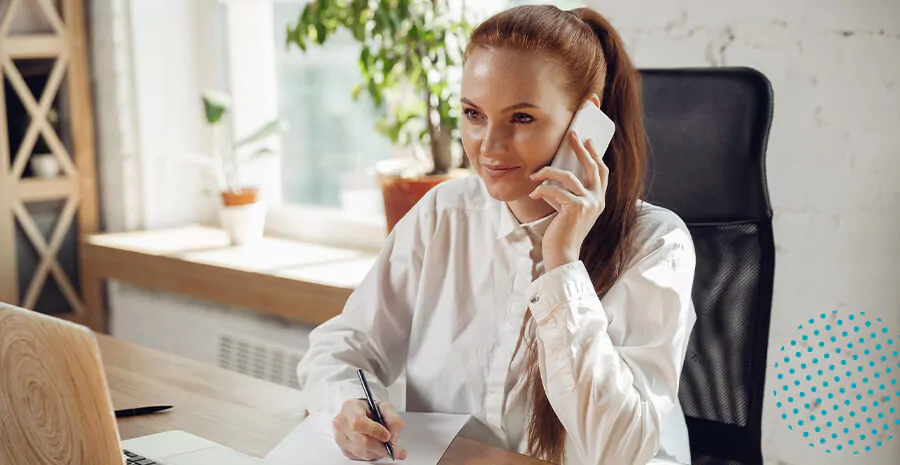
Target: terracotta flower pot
[244, 196]
[400, 194]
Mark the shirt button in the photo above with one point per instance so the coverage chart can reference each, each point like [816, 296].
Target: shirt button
[535, 299]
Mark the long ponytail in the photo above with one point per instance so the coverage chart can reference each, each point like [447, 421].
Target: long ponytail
[626, 157]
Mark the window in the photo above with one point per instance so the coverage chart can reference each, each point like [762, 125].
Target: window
[332, 139]
[327, 191]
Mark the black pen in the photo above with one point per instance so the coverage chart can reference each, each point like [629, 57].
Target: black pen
[133, 412]
[376, 414]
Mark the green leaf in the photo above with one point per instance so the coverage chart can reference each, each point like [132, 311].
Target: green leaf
[415, 74]
[359, 31]
[215, 105]
[321, 33]
[272, 127]
[357, 90]
[375, 92]
[394, 22]
[365, 56]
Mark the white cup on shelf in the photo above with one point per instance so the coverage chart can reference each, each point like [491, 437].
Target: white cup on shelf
[44, 165]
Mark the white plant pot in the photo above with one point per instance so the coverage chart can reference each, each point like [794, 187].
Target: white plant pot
[44, 165]
[244, 223]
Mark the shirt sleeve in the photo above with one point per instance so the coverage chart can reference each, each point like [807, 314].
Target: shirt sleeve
[372, 331]
[611, 369]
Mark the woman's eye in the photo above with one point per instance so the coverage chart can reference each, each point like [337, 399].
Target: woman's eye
[522, 118]
[471, 114]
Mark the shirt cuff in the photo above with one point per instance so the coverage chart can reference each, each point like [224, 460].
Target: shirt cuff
[560, 285]
[331, 397]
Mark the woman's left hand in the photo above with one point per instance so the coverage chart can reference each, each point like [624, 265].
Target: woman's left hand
[580, 204]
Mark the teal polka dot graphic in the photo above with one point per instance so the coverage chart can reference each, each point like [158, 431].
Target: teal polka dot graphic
[837, 383]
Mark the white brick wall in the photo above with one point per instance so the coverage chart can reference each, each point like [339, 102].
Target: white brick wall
[833, 154]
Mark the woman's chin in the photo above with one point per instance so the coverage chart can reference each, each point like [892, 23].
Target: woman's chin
[506, 191]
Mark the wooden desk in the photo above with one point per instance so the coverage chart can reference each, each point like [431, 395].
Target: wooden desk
[244, 413]
[306, 283]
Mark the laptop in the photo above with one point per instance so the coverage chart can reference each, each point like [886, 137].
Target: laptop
[55, 405]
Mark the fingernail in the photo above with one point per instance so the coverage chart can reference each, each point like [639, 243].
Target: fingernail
[589, 141]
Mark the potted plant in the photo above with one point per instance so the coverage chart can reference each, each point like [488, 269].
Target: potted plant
[411, 51]
[243, 213]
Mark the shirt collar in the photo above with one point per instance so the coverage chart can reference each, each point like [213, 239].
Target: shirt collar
[509, 224]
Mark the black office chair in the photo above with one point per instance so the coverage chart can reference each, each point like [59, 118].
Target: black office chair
[708, 129]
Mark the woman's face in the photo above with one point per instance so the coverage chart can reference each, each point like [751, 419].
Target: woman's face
[515, 114]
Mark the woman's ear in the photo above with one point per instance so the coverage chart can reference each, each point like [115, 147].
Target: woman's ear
[596, 99]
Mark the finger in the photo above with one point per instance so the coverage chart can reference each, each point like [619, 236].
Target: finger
[360, 430]
[364, 425]
[352, 410]
[366, 447]
[340, 424]
[595, 154]
[588, 161]
[566, 178]
[346, 446]
[603, 172]
[370, 437]
[392, 420]
[554, 193]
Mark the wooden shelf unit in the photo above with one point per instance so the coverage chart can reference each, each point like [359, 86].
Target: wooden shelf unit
[67, 46]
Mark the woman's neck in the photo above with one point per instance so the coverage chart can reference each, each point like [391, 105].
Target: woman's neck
[527, 209]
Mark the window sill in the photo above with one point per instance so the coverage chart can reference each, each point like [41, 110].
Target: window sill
[328, 226]
[300, 281]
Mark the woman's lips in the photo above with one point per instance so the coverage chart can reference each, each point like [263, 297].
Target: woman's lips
[497, 171]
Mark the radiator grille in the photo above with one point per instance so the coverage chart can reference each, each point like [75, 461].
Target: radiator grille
[259, 359]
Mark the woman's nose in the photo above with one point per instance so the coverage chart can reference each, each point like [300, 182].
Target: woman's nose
[494, 141]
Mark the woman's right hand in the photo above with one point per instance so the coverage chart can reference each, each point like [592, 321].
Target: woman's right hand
[360, 437]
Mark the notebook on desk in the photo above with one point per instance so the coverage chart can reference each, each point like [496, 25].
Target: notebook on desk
[55, 406]
[425, 436]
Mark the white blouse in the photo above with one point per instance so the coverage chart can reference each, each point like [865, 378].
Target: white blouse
[445, 303]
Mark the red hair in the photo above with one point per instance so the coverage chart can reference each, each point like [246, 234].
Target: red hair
[593, 56]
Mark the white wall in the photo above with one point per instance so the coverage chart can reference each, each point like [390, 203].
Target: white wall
[172, 54]
[118, 166]
[833, 153]
[832, 161]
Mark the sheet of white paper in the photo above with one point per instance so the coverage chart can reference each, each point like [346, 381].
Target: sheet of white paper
[425, 437]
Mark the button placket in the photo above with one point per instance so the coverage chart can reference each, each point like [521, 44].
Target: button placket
[499, 371]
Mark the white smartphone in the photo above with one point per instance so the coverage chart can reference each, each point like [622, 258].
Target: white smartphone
[589, 123]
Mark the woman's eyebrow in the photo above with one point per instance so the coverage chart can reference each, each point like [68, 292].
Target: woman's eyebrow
[517, 106]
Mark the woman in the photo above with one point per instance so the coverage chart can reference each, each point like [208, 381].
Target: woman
[563, 332]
